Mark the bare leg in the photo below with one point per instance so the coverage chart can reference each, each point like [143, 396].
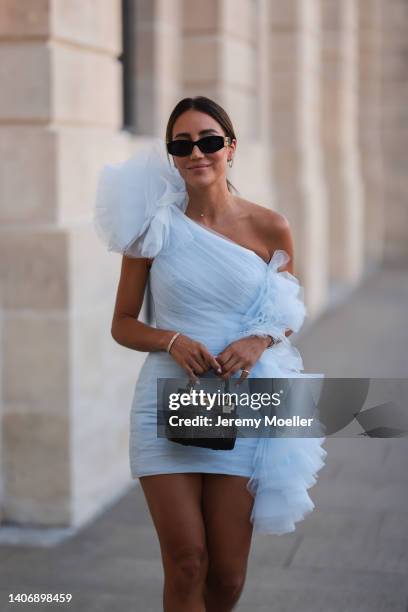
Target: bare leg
[174, 502]
[227, 506]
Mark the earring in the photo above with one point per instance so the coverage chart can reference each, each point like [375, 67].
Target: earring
[230, 162]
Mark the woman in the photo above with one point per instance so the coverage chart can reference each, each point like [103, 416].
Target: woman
[225, 301]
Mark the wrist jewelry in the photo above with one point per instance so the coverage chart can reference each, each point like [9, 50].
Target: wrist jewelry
[172, 340]
[272, 340]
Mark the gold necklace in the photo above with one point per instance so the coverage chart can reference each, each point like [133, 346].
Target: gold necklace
[202, 214]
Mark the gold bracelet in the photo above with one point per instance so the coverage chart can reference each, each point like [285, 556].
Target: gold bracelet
[172, 340]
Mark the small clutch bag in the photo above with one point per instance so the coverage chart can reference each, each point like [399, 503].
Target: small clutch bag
[224, 435]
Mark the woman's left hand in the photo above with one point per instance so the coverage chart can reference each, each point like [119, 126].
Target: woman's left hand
[241, 354]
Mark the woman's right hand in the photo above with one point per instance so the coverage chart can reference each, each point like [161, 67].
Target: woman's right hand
[193, 357]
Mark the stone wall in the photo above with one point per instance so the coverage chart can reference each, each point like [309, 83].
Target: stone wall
[394, 121]
[60, 120]
[342, 165]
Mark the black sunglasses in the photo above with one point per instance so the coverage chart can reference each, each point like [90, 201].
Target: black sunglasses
[208, 144]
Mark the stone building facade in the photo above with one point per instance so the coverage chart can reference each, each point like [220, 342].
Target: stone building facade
[318, 94]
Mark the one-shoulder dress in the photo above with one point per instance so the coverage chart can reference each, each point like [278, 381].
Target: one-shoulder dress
[215, 291]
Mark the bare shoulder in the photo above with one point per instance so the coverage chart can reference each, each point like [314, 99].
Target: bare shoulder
[272, 227]
[266, 221]
[262, 215]
[272, 222]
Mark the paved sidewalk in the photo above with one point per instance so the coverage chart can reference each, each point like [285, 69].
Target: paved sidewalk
[349, 555]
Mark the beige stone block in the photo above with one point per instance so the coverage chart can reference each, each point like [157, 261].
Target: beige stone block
[84, 151]
[393, 39]
[37, 484]
[145, 59]
[168, 98]
[285, 128]
[85, 22]
[93, 416]
[242, 108]
[332, 14]
[201, 59]
[239, 64]
[333, 42]
[169, 13]
[309, 57]
[100, 441]
[369, 13]
[91, 341]
[284, 15]
[24, 18]
[394, 68]
[284, 50]
[168, 54]
[210, 89]
[288, 200]
[96, 416]
[124, 361]
[199, 15]
[36, 367]
[286, 165]
[100, 474]
[25, 82]
[98, 360]
[147, 105]
[251, 172]
[87, 286]
[157, 57]
[351, 10]
[395, 15]
[86, 87]
[310, 17]
[335, 48]
[333, 98]
[238, 17]
[145, 11]
[33, 268]
[284, 90]
[27, 175]
[88, 22]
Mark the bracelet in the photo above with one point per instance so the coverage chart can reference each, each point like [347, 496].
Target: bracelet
[172, 340]
[271, 343]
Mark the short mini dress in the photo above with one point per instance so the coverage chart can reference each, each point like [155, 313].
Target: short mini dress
[215, 291]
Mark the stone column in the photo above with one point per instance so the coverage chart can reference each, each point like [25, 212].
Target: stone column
[66, 383]
[225, 58]
[340, 141]
[158, 44]
[370, 121]
[395, 127]
[295, 43]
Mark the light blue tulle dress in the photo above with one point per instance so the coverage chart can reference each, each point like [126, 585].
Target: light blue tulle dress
[215, 291]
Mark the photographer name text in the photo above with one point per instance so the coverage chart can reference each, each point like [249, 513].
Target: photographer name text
[255, 422]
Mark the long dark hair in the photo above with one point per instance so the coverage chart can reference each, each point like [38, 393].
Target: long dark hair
[204, 105]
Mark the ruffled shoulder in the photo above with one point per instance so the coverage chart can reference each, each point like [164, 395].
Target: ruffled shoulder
[132, 213]
[279, 259]
[279, 305]
[286, 293]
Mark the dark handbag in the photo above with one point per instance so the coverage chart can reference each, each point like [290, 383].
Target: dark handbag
[226, 434]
